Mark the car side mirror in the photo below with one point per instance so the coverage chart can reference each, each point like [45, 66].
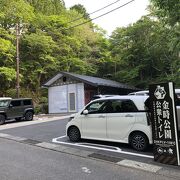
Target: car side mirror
[85, 112]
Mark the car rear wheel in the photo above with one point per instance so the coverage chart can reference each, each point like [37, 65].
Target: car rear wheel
[2, 119]
[29, 116]
[139, 141]
[74, 134]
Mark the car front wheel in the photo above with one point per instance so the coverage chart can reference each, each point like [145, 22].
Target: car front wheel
[74, 134]
[29, 116]
[2, 119]
[139, 141]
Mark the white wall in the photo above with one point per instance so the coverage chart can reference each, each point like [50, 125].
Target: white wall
[80, 96]
[58, 97]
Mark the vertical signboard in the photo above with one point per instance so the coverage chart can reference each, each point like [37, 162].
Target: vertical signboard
[164, 123]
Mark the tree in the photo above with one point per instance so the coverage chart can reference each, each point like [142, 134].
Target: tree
[167, 9]
[38, 59]
[7, 76]
[81, 10]
[48, 7]
[15, 11]
[168, 13]
[141, 53]
[49, 44]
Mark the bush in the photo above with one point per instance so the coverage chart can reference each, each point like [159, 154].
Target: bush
[11, 93]
[37, 109]
[41, 108]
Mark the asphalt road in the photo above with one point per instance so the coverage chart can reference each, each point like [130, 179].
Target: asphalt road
[25, 162]
[44, 131]
[47, 131]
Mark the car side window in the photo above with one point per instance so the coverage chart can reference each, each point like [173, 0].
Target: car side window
[120, 106]
[96, 107]
[16, 103]
[27, 102]
[112, 106]
[128, 106]
[116, 104]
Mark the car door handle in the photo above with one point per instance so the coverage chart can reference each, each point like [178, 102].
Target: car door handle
[101, 116]
[129, 115]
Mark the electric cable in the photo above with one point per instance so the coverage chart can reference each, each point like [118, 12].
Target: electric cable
[74, 20]
[99, 16]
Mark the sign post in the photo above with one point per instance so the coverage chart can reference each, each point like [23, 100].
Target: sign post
[164, 123]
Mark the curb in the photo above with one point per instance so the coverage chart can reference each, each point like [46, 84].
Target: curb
[51, 115]
[48, 117]
[157, 169]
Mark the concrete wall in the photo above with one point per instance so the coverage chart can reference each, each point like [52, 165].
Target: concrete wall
[58, 97]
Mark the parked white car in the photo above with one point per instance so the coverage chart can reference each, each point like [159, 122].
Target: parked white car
[116, 119]
[140, 93]
[177, 92]
[146, 93]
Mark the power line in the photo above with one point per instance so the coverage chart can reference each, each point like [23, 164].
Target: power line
[100, 15]
[74, 20]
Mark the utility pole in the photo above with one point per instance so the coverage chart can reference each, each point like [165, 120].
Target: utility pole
[17, 59]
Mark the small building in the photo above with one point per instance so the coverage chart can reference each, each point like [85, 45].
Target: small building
[69, 92]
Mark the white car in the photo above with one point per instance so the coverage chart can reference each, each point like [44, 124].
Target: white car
[116, 119]
[146, 93]
[140, 93]
[177, 92]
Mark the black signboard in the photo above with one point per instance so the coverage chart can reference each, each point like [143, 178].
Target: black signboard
[164, 123]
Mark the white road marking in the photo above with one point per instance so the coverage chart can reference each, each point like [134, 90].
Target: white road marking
[55, 140]
[139, 165]
[86, 170]
[88, 145]
[100, 145]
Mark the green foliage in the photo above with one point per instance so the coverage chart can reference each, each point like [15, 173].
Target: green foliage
[47, 46]
[81, 10]
[7, 49]
[11, 93]
[7, 78]
[47, 7]
[42, 106]
[6, 52]
[15, 11]
[142, 54]
[8, 73]
[168, 9]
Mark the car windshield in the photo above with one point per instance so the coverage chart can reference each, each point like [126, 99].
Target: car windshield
[4, 103]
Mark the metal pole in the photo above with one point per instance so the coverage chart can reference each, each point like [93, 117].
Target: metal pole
[17, 60]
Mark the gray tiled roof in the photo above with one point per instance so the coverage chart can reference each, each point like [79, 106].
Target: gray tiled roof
[94, 81]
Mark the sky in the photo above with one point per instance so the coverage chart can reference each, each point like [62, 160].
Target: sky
[119, 18]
